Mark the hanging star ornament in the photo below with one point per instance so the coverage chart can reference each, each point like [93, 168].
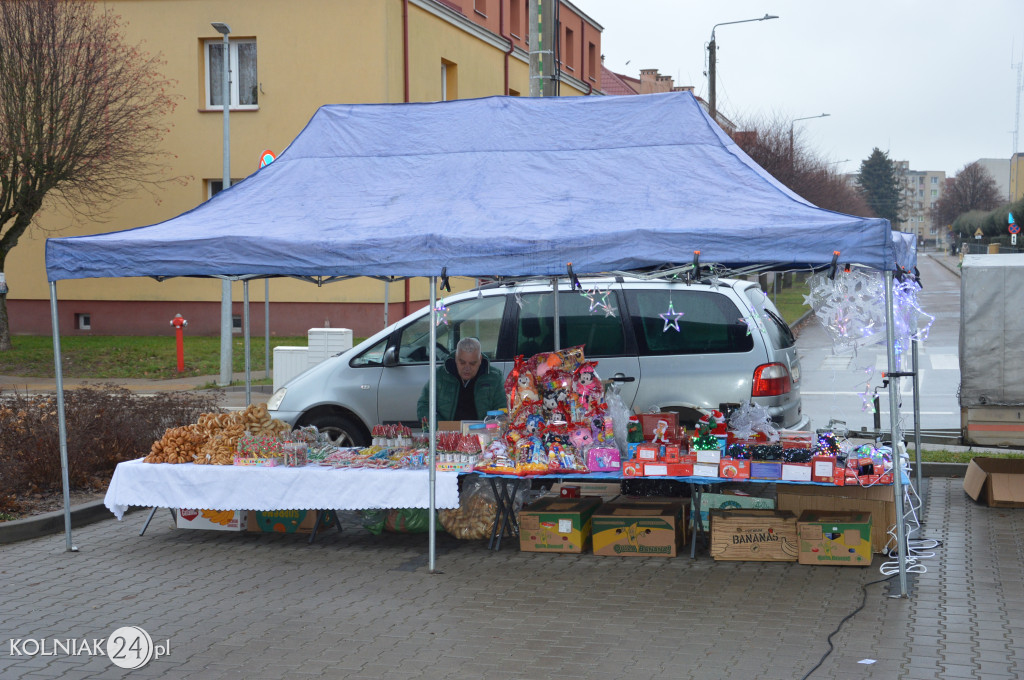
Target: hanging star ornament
[671, 318]
[590, 294]
[604, 305]
[441, 313]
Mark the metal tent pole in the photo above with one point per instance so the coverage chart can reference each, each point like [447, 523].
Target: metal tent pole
[432, 405]
[917, 411]
[894, 429]
[558, 323]
[245, 327]
[387, 299]
[266, 328]
[61, 421]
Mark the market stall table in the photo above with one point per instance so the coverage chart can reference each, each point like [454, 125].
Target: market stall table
[313, 487]
[507, 486]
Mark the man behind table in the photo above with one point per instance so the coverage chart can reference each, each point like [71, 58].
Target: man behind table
[467, 386]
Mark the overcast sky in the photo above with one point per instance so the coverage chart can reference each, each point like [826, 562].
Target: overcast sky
[929, 82]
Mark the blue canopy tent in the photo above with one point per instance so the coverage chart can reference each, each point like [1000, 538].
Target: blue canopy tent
[501, 186]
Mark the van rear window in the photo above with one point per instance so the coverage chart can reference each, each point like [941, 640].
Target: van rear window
[710, 322]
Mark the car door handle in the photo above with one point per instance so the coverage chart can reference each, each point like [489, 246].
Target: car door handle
[620, 377]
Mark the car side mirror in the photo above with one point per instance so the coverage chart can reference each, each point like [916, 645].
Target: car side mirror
[390, 356]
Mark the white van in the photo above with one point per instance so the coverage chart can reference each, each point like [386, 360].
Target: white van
[731, 346]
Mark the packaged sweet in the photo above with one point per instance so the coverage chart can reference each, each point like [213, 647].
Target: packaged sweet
[603, 459]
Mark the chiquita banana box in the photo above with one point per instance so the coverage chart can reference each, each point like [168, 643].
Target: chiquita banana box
[834, 538]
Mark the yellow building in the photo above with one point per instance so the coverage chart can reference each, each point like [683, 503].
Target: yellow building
[287, 59]
[1016, 177]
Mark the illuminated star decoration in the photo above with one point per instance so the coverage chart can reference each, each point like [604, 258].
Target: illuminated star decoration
[441, 310]
[753, 322]
[604, 305]
[866, 397]
[590, 294]
[671, 318]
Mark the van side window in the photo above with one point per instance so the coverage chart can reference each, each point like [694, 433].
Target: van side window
[478, 318]
[600, 334]
[777, 329]
[711, 322]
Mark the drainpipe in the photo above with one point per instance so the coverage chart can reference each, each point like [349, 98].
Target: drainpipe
[511, 45]
[405, 84]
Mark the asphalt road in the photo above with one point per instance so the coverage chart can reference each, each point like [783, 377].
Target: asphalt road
[834, 384]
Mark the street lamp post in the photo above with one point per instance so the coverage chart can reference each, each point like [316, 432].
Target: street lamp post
[792, 159]
[225, 286]
[712, 58]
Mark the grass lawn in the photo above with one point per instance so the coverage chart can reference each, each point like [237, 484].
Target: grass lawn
[790, 301]
[944, 456]
[129, 356]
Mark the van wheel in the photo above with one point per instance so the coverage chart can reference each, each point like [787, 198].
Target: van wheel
[341, 430]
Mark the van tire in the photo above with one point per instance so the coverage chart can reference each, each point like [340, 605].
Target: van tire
[343, 431]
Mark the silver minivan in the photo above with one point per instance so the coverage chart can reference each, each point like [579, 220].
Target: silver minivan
[731, 346]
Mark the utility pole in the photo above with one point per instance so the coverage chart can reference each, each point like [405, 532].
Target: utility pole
[542, 44]
[712, 58]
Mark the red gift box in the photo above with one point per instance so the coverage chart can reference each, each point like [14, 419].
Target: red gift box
[796, 439]
[823, 469]
[648, 452]
[650, 424]
[633, 468]
[734, 468]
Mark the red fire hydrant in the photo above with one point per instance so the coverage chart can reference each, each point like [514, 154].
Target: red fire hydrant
[179, 325]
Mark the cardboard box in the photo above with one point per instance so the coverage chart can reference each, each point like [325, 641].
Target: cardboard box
[648, 452]
[713, 501]
[650, 422]
[647, 528]
[835, 539]
[706, 456]
[753, 535]
[553, 524]
[796, 472]
[879, 501]
[211, 520]
[633, 468]
[606, 491]
[734, 468]
[705, 469]
[286, 521]
[823, 469]
[765, 469]
[998, 482]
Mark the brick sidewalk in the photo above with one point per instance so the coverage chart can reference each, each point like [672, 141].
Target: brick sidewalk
[359, 606]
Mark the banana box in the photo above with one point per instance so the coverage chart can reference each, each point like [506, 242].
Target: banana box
[639, 528]
[554, 524]
[834, 539]
[214, 520]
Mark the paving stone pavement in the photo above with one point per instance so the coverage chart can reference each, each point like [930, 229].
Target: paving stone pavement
[354, 605]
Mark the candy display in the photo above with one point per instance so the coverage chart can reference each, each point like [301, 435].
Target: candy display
[557, 414]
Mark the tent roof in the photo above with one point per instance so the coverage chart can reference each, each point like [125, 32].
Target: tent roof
[496, 186]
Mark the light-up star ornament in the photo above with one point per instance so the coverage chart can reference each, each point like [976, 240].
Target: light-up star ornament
[671, 318]
[441, 312]
[604, 305]
[590, 294]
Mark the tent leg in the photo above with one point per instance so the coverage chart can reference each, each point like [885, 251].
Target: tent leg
[266, 328]
[248, 355]
[558, 324]
[917, 414]
[894, 428]
[432, 405]
[61, 420]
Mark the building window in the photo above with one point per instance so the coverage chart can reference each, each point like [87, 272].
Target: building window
[213, 186]
[449, 80]
[592, 61]
[243, 90]
[236, 323]
[83, 322]
[480, 7]
[569, 49]
[516, 18]
[935, 193]
[935, 180]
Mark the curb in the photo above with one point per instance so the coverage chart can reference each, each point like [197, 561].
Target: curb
[944, 265]
[943, 469]
[52, 522]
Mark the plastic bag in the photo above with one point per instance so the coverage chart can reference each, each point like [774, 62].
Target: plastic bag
[373, 521]
[474, 518]
[619, 414]
[408, 521]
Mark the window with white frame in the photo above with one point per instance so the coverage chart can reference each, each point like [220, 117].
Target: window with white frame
[243, 86]
[214, 186]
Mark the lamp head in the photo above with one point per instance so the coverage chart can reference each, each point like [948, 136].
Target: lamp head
[221, 27]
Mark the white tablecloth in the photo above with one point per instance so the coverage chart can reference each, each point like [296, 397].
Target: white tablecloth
[230, 487]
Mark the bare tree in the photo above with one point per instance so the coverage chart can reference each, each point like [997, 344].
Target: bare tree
[784, 155]
[973, 188]
[81, 115]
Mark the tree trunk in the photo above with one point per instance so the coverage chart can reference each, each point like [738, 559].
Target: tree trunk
[5, 331]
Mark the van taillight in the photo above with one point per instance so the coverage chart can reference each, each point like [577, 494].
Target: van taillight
[770, 380]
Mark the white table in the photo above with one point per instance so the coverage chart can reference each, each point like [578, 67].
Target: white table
[230, 487]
